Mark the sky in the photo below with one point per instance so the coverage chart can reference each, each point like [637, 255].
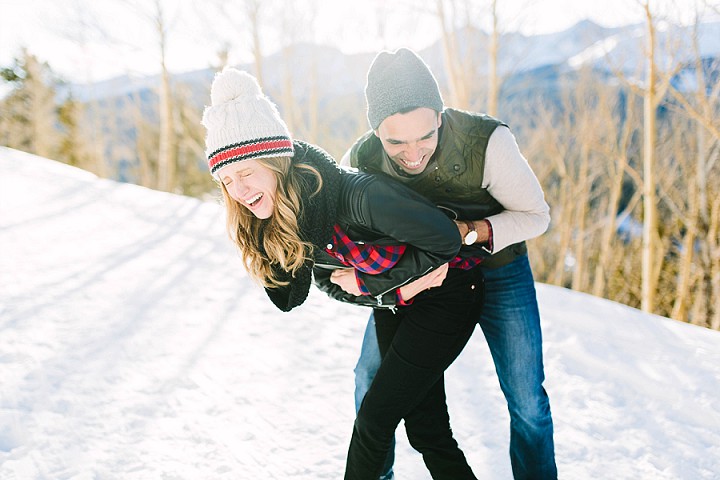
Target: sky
[134, 346]
[86, 41]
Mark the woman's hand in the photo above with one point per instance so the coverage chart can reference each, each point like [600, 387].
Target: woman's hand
[345, 279]
[432, 279]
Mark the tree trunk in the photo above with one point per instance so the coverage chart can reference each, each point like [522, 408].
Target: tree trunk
[714, 241]
[650, 223]
[582, 200]
[166, 161]
[289, 114]
[253, 14]
[493, 80]
[609, 231]
[458, 89]
[41, 114]
[687, 264]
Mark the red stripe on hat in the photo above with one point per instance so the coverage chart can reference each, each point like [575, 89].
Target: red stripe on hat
[245, 150]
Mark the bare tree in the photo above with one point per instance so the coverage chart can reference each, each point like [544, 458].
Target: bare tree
[463, 24]
[454, 68]
[493, 97]
[616, 149]
[163, 159]
[656, 86]
[84, 28]
[73, 148]
[192, 177]
[245, 23]
[253, 11]
[145, 142]
[698, 271]
[166, 149]
[714, 256]
[651, 239]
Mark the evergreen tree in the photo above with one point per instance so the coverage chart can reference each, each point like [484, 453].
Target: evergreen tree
[28, 111]
[72, 148]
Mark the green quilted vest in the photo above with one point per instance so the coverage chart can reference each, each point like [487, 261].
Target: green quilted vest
[453, 179]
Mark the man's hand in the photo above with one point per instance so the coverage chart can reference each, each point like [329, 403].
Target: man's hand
[432, 279]
[345, 279]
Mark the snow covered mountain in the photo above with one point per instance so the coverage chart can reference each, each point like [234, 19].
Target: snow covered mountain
[586, 43]
[133, 346]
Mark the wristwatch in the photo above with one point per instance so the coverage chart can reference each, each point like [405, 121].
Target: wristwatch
[472, 235]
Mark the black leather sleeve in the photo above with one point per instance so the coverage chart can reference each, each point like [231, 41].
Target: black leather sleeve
[399, 215]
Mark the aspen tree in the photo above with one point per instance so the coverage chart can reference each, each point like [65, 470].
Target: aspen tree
[493, 97]
[167, 142]
[459, 96]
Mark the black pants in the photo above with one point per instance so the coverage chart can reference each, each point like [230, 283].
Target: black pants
[418, 343]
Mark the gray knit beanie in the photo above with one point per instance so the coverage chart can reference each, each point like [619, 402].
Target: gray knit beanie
[397, 81]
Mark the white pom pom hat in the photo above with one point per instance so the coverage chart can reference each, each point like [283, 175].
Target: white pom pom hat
[242, 122]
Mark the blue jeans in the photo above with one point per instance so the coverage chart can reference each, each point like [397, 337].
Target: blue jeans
[510, 321]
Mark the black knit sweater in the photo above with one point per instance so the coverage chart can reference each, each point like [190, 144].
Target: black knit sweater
[317, 219]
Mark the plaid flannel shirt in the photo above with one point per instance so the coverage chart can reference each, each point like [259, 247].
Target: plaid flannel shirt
[371, 259]
[374, 259]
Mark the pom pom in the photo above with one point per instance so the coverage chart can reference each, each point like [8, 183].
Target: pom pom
[231, 84]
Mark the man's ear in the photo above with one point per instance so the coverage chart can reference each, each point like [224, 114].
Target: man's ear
[439, 114]
[376, 133]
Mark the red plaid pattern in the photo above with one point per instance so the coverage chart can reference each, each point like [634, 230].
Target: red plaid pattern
[371, 259]
[464, 263]
[374, 259]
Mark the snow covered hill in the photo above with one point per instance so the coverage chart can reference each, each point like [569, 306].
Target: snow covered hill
[133, 346]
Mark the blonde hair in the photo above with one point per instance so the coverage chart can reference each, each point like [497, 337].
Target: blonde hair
[280, 233]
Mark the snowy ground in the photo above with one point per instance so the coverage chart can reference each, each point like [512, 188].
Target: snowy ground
[133, 346]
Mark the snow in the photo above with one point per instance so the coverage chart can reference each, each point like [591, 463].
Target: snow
[623, 49]
[134, 346]
[595, 52]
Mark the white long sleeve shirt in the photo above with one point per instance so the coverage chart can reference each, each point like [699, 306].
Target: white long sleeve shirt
[510, 180]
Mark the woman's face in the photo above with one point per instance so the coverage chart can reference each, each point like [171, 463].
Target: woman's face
[252, 185]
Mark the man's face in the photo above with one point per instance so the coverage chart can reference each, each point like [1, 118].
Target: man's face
[410, 139]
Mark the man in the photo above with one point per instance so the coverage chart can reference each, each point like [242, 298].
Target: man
[470, 165]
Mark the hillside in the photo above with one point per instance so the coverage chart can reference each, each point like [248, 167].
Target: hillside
[133, 346]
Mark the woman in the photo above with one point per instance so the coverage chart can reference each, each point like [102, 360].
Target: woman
[290, 208]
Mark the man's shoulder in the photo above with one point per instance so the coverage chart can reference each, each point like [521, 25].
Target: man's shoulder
[473, 128]
[454, 115]
[363, 150]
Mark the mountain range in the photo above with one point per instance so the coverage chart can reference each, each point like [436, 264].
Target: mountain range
[584, 44]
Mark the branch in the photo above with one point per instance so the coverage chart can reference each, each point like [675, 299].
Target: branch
[694, 113]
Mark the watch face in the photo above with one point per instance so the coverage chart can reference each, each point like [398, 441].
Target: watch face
[471, 237]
